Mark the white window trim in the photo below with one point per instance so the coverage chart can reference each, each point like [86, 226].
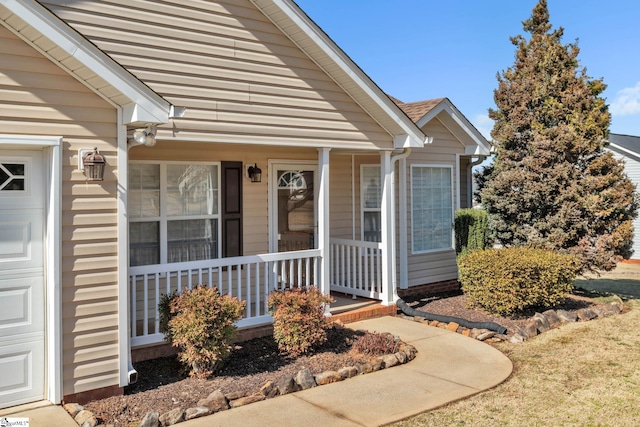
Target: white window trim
[363, 208]
[453, 204]
[164, 219]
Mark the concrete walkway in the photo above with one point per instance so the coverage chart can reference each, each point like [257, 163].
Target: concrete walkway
[448, 367]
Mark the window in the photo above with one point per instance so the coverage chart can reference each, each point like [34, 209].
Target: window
[431, 208]
[173, 212]
[371, 201]
[12, 176]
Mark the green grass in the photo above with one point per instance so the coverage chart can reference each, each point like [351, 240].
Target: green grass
[582, 374]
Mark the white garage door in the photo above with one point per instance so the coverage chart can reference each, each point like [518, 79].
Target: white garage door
[22, 337]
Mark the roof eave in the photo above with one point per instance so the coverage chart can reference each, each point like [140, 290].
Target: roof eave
[41, 29]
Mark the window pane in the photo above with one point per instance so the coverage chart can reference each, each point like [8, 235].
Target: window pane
[12, 177]
[144, 190]
[192, 240]
[372, 229]
[192, 190]
[371, 186]
[144, 239]
[432, 207]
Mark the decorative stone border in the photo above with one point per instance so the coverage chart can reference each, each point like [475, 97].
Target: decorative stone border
[539, 323]
[218, 401]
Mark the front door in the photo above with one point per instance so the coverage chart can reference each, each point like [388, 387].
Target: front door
[295, 214]
[22, 307]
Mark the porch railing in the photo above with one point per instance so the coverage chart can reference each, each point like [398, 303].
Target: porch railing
[249, 278]
[356, 267]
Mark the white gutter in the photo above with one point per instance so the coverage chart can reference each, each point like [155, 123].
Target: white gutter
[402, 209]
[470, 178]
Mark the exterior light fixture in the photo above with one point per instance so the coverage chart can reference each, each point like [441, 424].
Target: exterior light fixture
[93, 164]
[255, 173]
[146, 136]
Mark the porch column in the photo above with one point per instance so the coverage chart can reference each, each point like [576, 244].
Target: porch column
[324, 233]
[387, 228]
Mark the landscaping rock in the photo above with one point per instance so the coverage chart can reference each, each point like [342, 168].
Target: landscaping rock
[475, 332]
[567, 316]
[585, 314]
[171, 418]
[402, 357]
[246, 400]
[304, 379]
[73, 409]
[234, 395]
[150, 420]
[485, 335]
[269, 390]
[328, 377]
[286, 385]
[215, 402]
[347, 372]
[389, 360]
[452, 326]
[197, 412]
[86, 418]
[542, 322]
[529, 330]
[553, 318]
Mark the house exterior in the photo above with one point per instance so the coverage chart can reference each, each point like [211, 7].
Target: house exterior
[186, 103]
[627, 148]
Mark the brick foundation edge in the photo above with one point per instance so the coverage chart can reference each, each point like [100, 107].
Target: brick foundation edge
[445, 287]
[99, 393]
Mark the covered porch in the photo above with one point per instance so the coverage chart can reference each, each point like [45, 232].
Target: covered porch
[346, 267]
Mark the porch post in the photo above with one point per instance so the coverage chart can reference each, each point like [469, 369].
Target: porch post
[324, 233]
[387, 227]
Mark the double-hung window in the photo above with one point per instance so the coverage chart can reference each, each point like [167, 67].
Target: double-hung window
[371, 203]
[431, 208]
[173, 212]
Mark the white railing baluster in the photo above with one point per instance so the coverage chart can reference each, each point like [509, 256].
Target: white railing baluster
[134, 306]
[156, 310]
[145, 313]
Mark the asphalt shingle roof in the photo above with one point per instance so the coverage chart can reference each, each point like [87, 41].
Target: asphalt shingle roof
[417, 110]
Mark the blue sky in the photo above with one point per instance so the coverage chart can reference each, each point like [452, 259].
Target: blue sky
[425, 49]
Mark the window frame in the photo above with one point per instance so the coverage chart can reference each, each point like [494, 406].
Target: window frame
[363, 196]
[163, 218]
[451, 168]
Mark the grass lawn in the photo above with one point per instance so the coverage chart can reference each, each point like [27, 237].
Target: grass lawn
[582, 374]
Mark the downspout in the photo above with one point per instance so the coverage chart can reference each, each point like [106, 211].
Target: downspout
[402, 209]
[470, 179]
[123, 254]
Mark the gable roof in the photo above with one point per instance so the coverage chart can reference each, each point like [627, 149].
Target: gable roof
[625, 144]
[422, 112]
[318, 46]
[72, 52]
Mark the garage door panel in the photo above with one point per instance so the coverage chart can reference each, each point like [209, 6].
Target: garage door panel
[22, 367]
[20, 300]
[20, 240]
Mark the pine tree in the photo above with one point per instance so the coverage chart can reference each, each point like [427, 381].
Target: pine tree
[552, 184]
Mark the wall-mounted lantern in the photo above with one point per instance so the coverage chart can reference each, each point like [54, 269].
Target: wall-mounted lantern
[93, 163]
[254, 173]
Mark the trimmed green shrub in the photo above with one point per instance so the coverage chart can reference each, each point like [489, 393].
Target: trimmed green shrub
[508, 281]
[200, 324]
[299, 323]
[471, 230]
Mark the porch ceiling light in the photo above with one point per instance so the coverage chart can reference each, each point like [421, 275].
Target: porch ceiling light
[254, 173]
[146, 136]
[93, 164]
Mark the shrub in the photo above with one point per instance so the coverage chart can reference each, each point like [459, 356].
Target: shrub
[375, 344]
[508, 281]
[471, 230]
[299, 323]
[201, 325]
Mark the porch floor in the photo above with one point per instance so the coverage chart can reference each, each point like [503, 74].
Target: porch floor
[346, 309]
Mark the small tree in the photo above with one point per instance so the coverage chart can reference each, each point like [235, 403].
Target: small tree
[471, 230]
[552, 184]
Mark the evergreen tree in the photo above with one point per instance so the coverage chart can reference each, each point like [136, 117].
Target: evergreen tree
[552, 184]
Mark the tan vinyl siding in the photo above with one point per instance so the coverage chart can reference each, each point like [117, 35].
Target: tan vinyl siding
[434, 266]
[341, 202]
[240, 78]
[38, 98]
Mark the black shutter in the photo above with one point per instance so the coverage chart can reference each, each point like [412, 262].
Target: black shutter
[231, 209]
